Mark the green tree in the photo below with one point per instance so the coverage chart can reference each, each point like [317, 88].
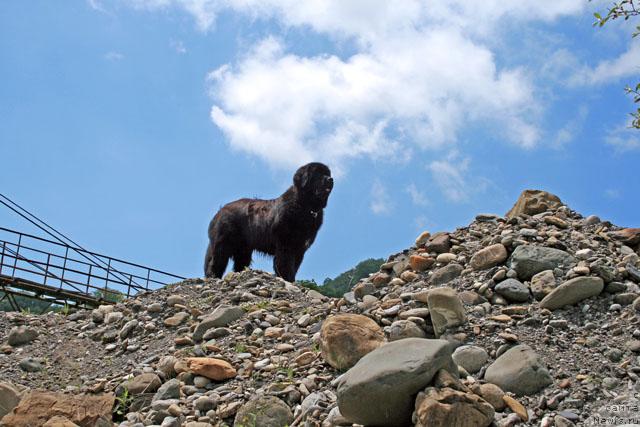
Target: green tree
[345, 281]
[624, 9]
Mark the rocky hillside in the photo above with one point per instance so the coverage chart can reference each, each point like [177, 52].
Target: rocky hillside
[528, 319]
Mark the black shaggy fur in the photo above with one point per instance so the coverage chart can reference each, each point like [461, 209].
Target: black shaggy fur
[284, 227]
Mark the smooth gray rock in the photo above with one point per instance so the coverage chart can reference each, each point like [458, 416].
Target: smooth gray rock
[573, 291]
[264, 411]
[528, 260]
[446, 274]
[168, 390]
[519, 370]
[31, 364]
[472, 358]
[445, 308]
[401, 329]
[223, 315]
[513, 290]
[380, 389]
[21, 335]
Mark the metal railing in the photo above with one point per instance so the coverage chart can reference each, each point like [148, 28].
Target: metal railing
[56, 271]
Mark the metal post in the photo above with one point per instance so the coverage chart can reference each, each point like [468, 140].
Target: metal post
[15, 260]
[2, 257]
[46, 269]
[89, 278]
[64, 266]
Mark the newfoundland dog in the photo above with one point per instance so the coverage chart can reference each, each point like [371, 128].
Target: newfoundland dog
[284, 227]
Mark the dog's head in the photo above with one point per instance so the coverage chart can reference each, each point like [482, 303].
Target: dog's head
[314, 183]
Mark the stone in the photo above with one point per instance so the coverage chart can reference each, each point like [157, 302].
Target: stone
[38, 407]
[59, 421]
[173, 300]
[214, 369]
[533, 202]
[345, 338]
[401, 329]
[554, 220]
[223, 315]
[513, 290]
[20, 335]
[422, 239]
[446, 258]
[166, 366]
[420, 263]
[205, 403]
[168, 390]
[380, 280]
[542, 284]
[438, 243]
[9, 398]
[489, 257]
[31, 364]
[471, 298]
[315, 295]
[445, 308]
[628, 236]
[519, 371]
[362, 289]
[492, 394]
[516, 407]
[446, 274]
[447, 407]
[143, 383]
[113, 317]
[128, 328]
[528, 260]
[264, 411]
[572, 292]
[380, 389]
[176, 320]
[633, 272]
[470, 357]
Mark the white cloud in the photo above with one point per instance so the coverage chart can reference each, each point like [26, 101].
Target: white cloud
[178, 46]
[449, 175]
[610, 70]
[624, 138]
[380, 200]
[417, 197]
[612, 193]
[568, 132]
[113, 56]
[422, 73]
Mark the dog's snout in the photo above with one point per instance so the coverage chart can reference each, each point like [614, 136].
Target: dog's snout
[328, 181]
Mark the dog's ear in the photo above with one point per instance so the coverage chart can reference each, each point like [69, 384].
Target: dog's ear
[301, 178]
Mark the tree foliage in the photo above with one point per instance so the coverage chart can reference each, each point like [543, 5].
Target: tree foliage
[625, 10]
[345, 281]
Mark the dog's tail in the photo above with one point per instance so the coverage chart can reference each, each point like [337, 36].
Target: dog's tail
[208, 262]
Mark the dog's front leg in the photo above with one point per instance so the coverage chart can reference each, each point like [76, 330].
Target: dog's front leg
[284, 264]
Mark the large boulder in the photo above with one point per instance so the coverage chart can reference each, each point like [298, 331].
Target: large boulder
[532, 202]
[489, 257]
[445, 308]
[264, 411]
[147, 382]
[572, 292]
[447, 407]
[519, 370]
[381, 388]
[222, 316]
[345, 338]
[9, 398]
[528, 260]
[37, 407]
[628, 236]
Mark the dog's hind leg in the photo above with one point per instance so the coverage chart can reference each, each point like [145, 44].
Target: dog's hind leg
[217, 262]
[241, 260]
[208, 262]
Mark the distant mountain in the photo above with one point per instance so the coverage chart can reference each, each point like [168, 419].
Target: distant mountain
[344, 282]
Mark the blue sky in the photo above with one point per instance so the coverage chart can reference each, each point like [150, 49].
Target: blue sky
[127, 124]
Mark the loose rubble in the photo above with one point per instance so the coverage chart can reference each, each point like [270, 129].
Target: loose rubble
[528, 319]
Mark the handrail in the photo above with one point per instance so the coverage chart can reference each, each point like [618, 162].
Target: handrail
[33, 269]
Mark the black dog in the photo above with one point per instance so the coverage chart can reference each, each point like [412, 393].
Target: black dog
[284, 227]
